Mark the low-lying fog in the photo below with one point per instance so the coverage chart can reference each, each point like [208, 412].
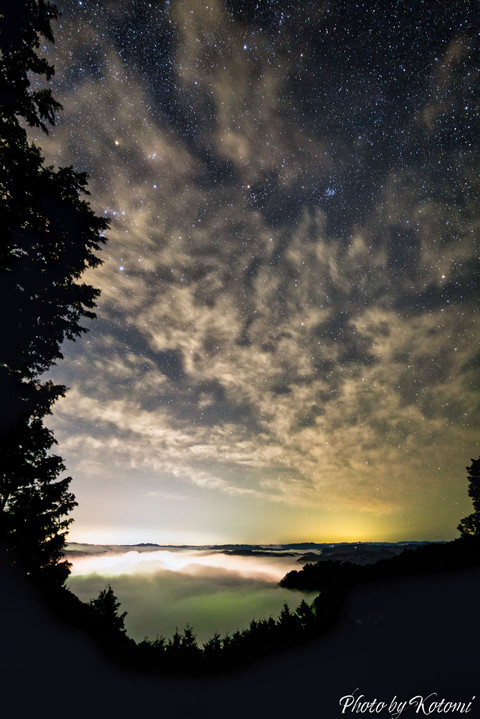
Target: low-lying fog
[167, 589]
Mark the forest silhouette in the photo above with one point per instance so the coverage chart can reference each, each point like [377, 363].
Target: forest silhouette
[50, 237]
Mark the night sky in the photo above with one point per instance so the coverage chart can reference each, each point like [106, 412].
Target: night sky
[286, 343]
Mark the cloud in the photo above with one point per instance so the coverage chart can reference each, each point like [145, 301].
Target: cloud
[260, 331]
[211, 592]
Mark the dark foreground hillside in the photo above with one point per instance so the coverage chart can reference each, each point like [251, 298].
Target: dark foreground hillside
[395, 638]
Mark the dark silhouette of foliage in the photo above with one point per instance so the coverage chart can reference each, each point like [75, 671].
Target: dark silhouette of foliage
[100, 620]
[319, 575]
[49, 237]
[305, 615]
[107, 605]
[22, 24]
[34, 516]
[181, 653]
[288, 622]
[470, 526]
[426, 559]
[212, 652]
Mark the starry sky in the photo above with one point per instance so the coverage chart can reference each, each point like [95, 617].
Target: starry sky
[286, 343]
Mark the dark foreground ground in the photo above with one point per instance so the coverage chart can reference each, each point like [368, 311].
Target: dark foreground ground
[395, 639]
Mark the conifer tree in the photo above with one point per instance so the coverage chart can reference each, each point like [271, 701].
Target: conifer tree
[106, 606]
[470, 526]
[49, 236]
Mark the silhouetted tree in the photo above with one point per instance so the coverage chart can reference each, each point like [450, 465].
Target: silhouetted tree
[22, 23]
[288, 623]
[470, 526]
[106, 605]
[34, 509]
[190, 652]
[49, 237]
[212, 650]
[306, 616]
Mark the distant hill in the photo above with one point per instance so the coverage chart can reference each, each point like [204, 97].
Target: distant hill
[361, 552]
[356, 552]
[346, 566]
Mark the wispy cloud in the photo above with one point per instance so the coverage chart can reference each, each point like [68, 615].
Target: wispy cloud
[260, 333]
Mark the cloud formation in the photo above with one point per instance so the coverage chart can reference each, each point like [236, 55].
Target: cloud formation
[289, 289]
[165, 590]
